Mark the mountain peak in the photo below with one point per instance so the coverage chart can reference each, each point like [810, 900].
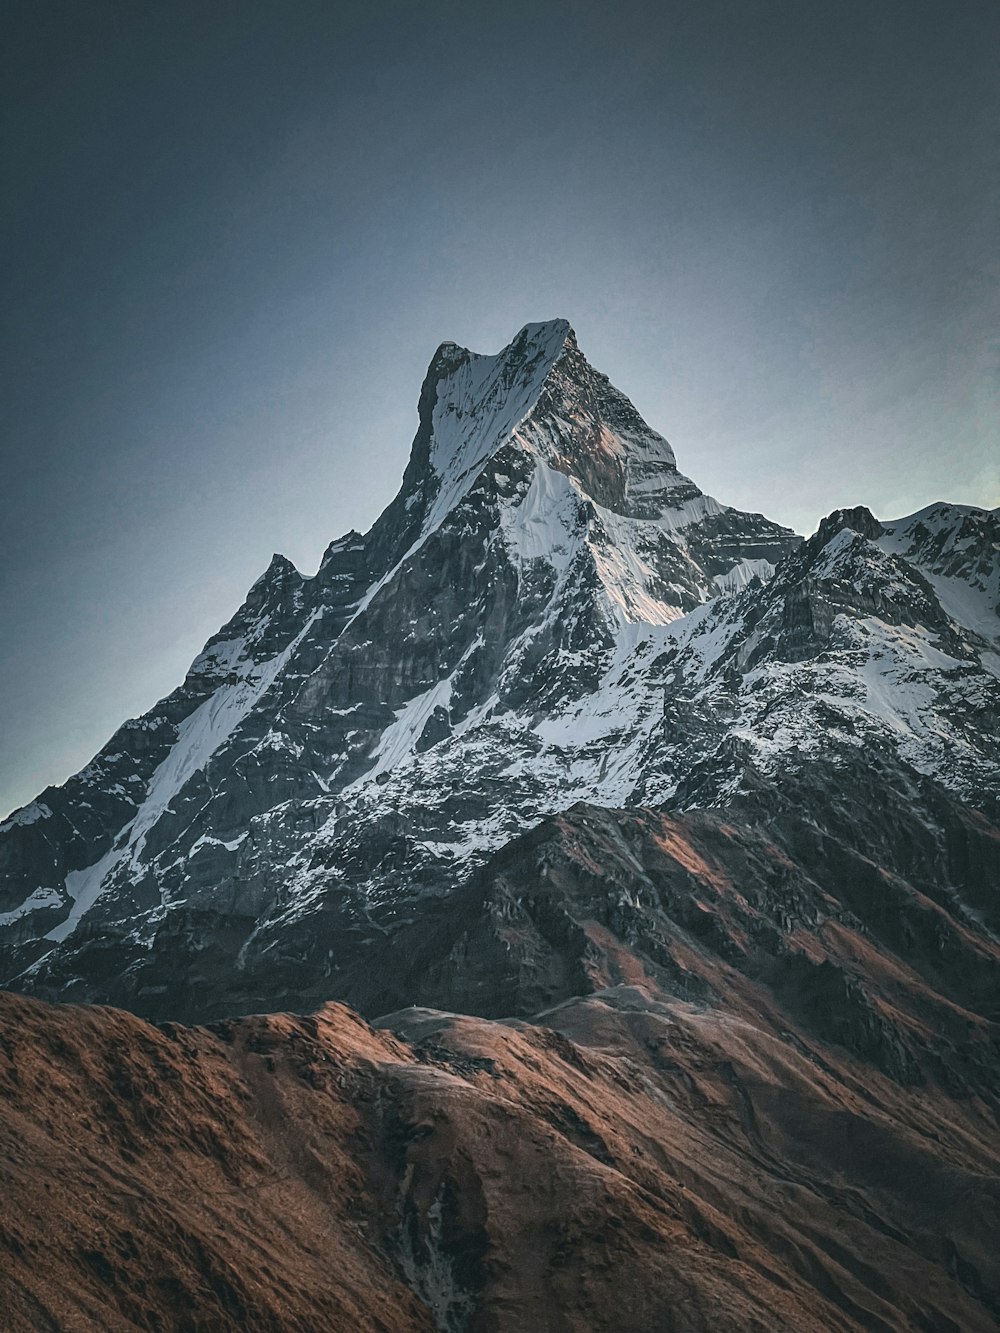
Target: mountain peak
[859, 519]
[532, 343]
[470, 405]
[540, 394]
[535, 441]
[540, 522]
[547, 335]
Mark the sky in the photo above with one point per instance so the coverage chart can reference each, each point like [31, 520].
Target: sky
[232, 235]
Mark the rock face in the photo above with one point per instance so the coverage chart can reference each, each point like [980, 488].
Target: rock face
[699, 824]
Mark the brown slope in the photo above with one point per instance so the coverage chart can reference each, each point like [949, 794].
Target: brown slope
[171, 1179]
[662, 1167]
[774, 1106]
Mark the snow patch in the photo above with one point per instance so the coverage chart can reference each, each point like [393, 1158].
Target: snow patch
[478, 408]
[198, 737]
[28, 814]
[737, 578]
[545, 523]
[35, 902]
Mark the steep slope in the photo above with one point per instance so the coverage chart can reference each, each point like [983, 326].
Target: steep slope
[539, 521]
[956, 549]
[632, 1162]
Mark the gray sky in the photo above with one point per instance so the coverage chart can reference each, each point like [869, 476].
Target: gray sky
[234, 233]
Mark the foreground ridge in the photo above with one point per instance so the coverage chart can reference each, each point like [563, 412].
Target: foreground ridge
[632, 1163]
[759, 1089]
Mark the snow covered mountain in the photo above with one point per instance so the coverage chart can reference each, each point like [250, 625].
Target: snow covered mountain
[548, 612]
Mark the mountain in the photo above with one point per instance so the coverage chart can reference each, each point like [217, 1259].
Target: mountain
[659, 848]
[381, 726]
[548, 612]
